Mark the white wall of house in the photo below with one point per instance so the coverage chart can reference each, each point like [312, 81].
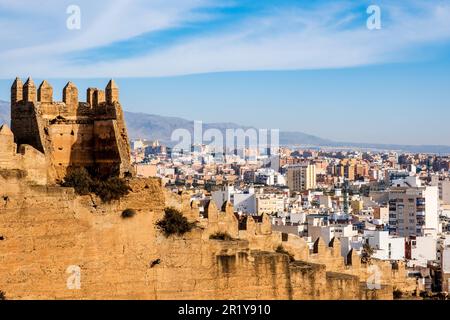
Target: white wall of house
[446, 259]
[385, 247]
[245, 202]
[423, 249]
[297, 217]
[431, 207]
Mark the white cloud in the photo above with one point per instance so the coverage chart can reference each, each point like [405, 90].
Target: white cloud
[326, 37]
[34, 32]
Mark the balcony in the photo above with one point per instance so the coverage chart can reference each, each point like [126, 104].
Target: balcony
[420, 213]
[420, 202]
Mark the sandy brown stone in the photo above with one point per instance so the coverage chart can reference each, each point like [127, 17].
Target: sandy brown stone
[48, 231]
[71, 133]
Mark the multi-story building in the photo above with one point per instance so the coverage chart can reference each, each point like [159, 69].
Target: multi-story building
[247, 201]
[386, 247]
[269, 203]
[413, 211]
[444, 188]
[445, 267]
[268, 177]
[352, 169]
[421, 250]
[301, 177]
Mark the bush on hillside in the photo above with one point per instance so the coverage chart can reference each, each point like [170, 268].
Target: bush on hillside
[113, 188]
[80, 180]
[174, 223]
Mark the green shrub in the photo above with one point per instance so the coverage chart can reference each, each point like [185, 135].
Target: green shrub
[112, 188]
[221, 236]
[128, 213]
[282, 250]
[174, 223]
[2, 295]
[80, 180]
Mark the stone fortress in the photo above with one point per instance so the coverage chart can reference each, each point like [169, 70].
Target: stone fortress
[70, 133]
[47, 231]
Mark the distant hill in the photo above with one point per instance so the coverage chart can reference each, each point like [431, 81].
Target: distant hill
[149, 126]
[4, 112]
[154, 127]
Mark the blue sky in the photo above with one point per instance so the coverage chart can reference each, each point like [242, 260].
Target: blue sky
[309, 66]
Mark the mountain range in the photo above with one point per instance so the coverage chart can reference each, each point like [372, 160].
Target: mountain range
[155, 127]
[4, 112]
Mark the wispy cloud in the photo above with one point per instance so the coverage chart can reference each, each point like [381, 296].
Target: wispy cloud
[289, 36]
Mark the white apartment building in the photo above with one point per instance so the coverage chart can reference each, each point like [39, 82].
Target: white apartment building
[385, 246]
[269, 203]
[243, 201]
[269, 177]
[413, 211]
[250, 202]
[408, 181]
[422, 250]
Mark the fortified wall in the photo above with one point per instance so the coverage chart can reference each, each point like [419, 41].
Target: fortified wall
[70, 133]
[57, 245]
[27, 163]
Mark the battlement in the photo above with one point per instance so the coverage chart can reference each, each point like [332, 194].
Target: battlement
[72, 133]
[97, 100]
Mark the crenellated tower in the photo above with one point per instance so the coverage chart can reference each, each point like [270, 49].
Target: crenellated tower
[70, 95]
[112, 92]
[45, 92]
[29, 91]
[71, 133]
[17, 91]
